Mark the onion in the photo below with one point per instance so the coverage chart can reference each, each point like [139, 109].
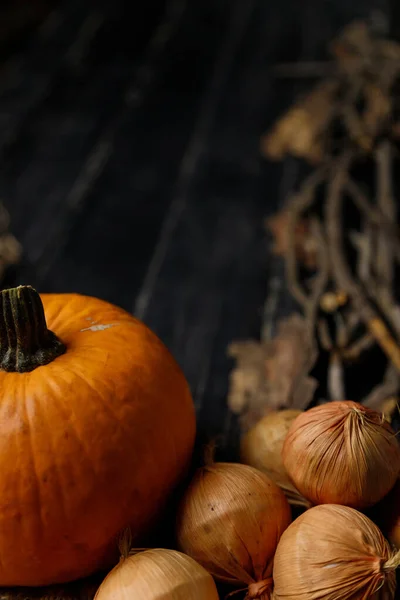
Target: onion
[261, 448]
[156, 574]
[335, 553]
[342, 453]
[230, 521]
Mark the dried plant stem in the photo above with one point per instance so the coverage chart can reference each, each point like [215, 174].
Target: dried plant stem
[321, 280]
[347, 324]
[299, 204]
[336, 387]
[384, 256]
[387, 206]
[125, 543]
[390, 243]
[374, 215]
[340, 269]
[346, 118]
[363, 243]
[384, 338]
[343, 332]
[324, 335]
[312, 302]
[353, 351]
[388, 388]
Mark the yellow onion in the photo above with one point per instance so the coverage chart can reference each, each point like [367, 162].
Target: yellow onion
[230, 521]
[261, 447]
[156, 574]
[342, 453]
[334, 552]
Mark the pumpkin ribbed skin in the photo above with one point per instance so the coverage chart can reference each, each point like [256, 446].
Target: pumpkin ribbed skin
[90, 443]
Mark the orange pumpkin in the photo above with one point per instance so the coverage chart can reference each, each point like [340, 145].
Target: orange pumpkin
[97, 426]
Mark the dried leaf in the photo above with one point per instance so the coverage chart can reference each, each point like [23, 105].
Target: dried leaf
[377, 110]
[247, 380]
[300, 131]
[272, 375]
[306, 246]
[363, 127]
[352, 45]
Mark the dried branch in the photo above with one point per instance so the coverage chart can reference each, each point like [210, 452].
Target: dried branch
[299, 204]
[324, 336]
[374, 215]
[341, 271]
[363, 243]
[336, 387]
[354, 351]
[387, 389]
[349, 309]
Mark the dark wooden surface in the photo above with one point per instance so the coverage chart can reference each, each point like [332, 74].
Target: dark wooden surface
[129, 139]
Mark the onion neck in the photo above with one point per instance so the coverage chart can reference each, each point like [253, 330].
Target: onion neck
[25, 341]
[393, 562]
[260, 590]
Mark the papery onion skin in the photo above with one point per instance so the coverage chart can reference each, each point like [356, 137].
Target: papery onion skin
[155, 574]
[230, 521]
[261, 447]
[333, 552]
[342, 453]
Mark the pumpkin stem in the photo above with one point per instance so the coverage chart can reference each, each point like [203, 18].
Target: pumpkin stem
[25, 341]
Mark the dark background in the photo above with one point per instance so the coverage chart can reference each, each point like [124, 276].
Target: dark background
[130, 164]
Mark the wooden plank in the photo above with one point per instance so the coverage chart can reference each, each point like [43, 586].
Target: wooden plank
[64, 148]
[27, 78]
[112, 238]
[211, 282]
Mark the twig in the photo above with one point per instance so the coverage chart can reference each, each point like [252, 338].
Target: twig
[389, 235]
[349, 114]
[319, 284]
[386, 203]
[343, 332]
[299, 204]
[353, 320]
[324, 335]
[384, 257]
[335, 384]
[354, 124]
[389, 387]
[321, 280]
[341, 272]
[353, 352]
[363, 242]
[373, 214]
